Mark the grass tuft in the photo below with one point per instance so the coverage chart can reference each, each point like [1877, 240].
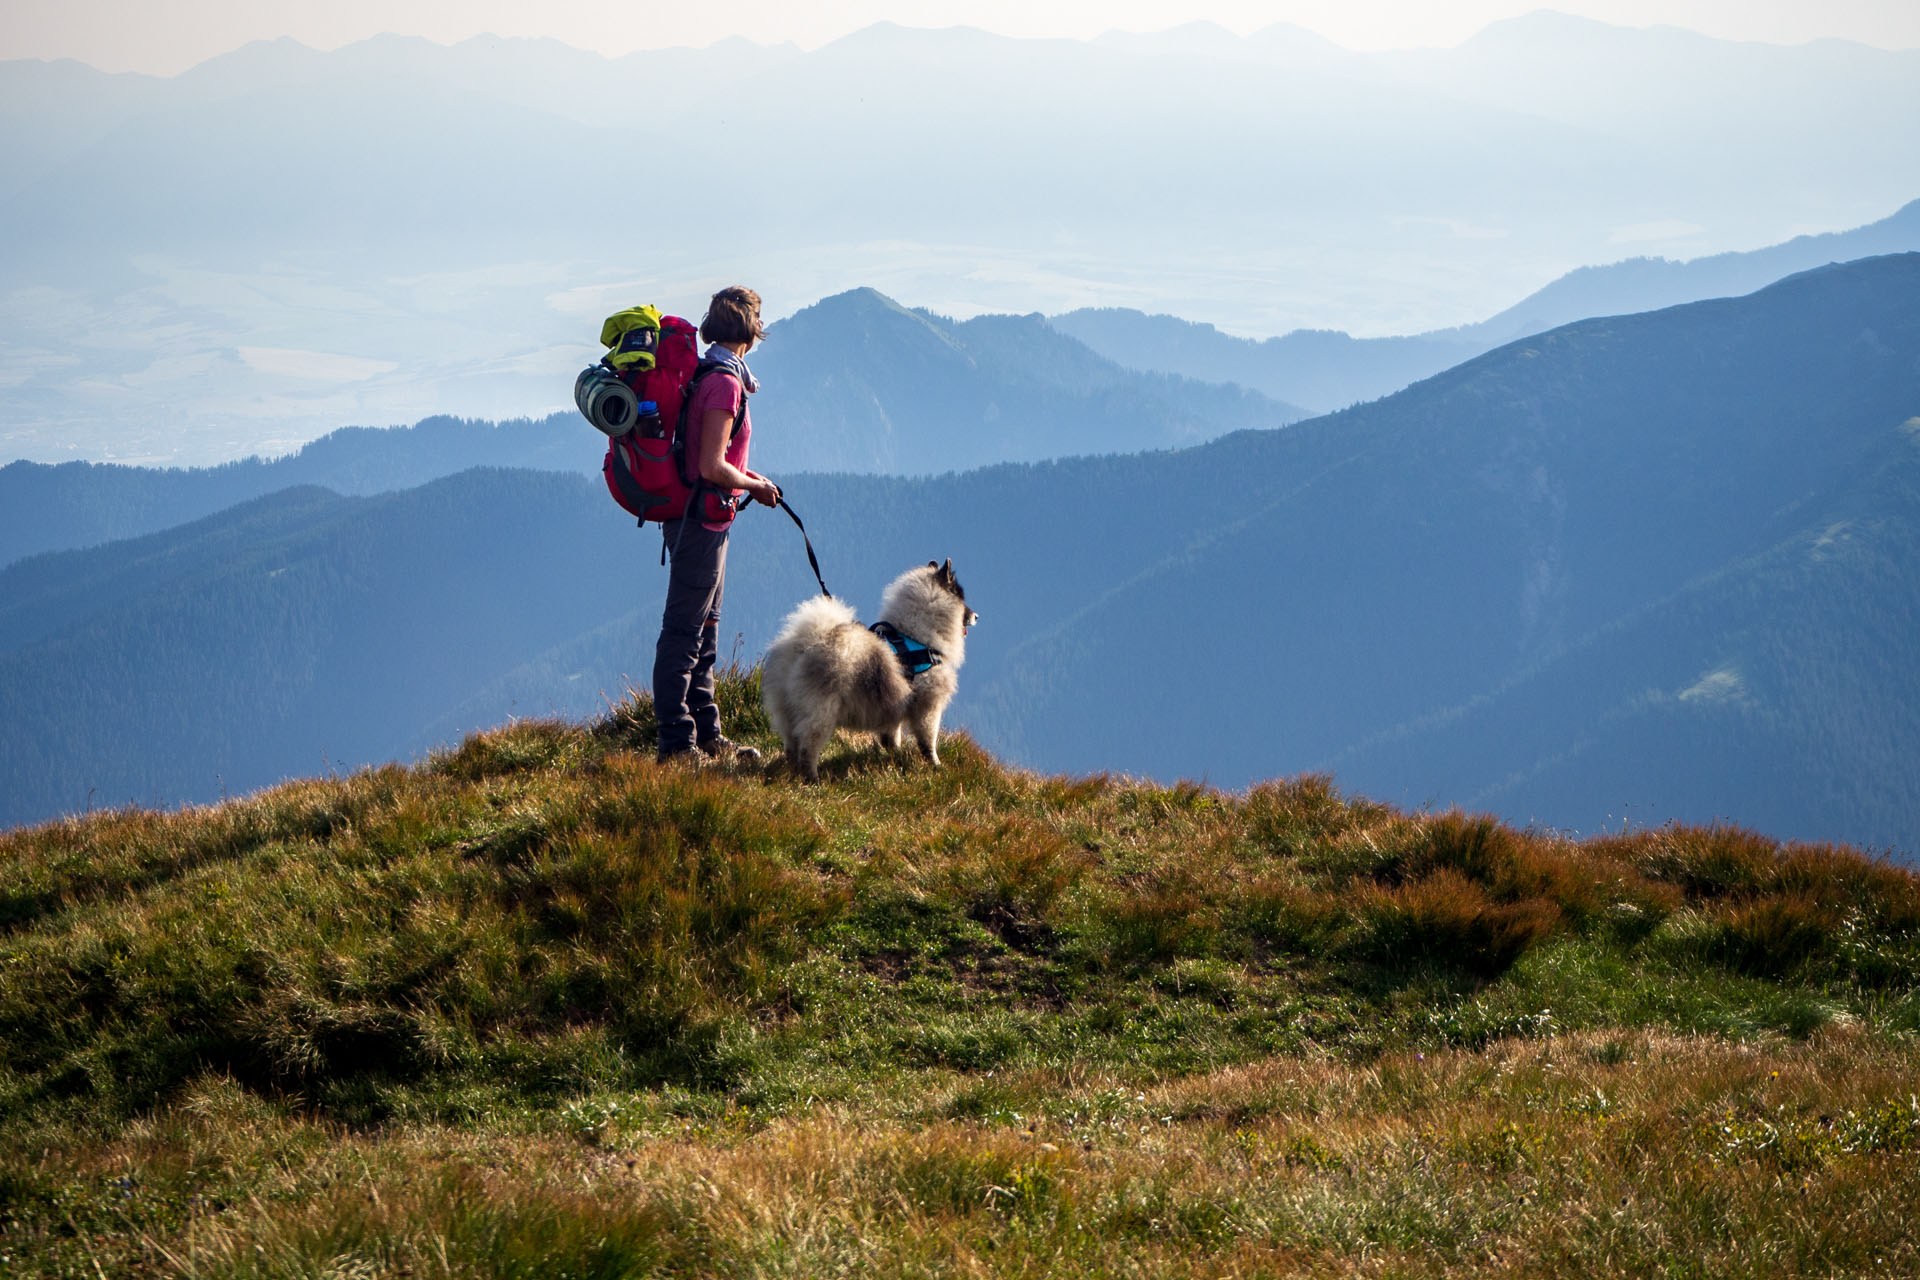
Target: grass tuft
[1448, 920]
[1777, 936]
[525, 746]
[632, 725]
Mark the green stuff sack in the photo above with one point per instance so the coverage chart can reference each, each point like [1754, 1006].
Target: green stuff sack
[633, 339]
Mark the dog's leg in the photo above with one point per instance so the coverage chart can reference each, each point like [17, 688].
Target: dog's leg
[810, 738]
[775, 698]
[890, 738]
[803, 756]
[926, 734]
[808, 763]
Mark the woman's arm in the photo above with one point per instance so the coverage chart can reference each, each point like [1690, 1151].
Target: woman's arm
[716, 432]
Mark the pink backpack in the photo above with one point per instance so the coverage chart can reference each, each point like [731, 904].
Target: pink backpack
[646, 466]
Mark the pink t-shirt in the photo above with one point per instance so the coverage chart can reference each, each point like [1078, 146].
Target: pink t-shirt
[718, 391]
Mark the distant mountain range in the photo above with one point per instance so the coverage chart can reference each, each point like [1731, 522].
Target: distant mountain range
[1636, 568]
[82, 504]
[860, 383]
[280, 242]
[854, 383]
[1326, 370]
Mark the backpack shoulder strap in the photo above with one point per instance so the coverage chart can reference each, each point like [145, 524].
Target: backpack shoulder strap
[700, 373]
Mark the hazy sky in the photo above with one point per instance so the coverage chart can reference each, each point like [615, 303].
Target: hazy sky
[167, 36]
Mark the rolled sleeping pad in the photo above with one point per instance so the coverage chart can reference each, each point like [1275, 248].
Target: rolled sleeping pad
[605, 401]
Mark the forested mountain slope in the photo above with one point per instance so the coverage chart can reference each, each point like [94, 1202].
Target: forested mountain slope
[1699, 520]
[289, 634]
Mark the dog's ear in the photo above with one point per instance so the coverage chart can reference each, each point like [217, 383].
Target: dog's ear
[949, 583]
[932, 565]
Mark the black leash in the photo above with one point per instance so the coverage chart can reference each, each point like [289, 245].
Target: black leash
[811, 558]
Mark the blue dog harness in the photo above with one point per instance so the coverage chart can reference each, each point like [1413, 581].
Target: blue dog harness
[915, 658]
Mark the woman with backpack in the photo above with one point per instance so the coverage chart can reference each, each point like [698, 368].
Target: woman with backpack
[719, 428]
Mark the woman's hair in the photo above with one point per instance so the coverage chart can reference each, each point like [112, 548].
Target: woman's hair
[733, 316]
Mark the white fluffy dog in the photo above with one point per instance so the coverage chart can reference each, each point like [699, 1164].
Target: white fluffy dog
[825, 671]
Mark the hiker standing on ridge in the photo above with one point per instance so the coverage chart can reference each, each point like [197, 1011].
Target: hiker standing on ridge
[719, 428]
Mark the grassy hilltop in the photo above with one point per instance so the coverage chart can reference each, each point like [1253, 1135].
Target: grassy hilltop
[539, 1007]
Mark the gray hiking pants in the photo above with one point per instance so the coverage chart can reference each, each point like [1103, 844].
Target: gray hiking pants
[689, 636]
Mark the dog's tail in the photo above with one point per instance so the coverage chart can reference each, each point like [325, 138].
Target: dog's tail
[822, 613]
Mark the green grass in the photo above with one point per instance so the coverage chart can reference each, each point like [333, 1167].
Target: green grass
[540, 1006]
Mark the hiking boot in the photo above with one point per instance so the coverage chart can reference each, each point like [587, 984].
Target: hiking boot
[725, 748]
[687, 756]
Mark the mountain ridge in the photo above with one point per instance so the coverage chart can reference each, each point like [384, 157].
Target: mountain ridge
[1328, 369]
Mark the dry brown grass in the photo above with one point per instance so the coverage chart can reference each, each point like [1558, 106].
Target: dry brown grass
[1622, 1153]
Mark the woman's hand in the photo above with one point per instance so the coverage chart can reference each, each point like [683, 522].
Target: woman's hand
[715, 432]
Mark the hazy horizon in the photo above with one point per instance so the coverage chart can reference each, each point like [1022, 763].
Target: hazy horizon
[283, 241]
[125, 36]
